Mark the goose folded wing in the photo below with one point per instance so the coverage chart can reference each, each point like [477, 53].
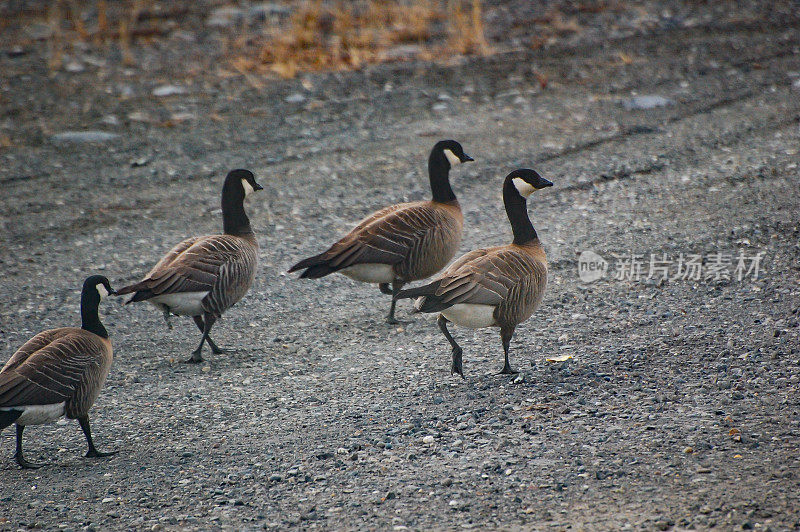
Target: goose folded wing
[485, 277]
[195, 270]
[30, 347]
[377, 215]
[385, 240]
[173, 254]
[52, 374]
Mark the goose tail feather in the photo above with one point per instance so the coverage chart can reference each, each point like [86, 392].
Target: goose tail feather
[315, 267]
[140, 292]
[427, 300]
[8, 417]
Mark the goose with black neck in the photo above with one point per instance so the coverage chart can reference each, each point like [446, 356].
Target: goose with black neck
[59, 372]
[403, 242]
[492, 287]
[204, 276]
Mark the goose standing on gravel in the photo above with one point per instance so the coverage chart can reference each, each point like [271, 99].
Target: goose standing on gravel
[58, 372]
[400, 243]
[204, 276]
[492, 287]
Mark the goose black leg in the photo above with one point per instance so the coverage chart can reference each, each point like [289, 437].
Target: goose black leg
[505, 336]
[208, 322]
[198, 320]
[18, 456]
[396, 286]
[92, 452]
[455, 366]
[384, 288]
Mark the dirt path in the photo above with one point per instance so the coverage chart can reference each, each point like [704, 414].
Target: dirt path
[679, 407]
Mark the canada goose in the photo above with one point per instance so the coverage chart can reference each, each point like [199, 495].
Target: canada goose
[58, 372]
[400, 243]
[204, 276]
[492, 287]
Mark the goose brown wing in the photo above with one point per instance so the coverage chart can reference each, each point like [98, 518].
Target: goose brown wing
[71, 365]
[380, 213]
[484, 277]
[173, 254]
[234, 278]
[196, 268]
[386, 237]
[30, 347]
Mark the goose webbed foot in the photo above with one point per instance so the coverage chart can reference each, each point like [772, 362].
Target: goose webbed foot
[222, 350]
[391, 320]
[19, 457]
[94, 453]
[196, 358]
[455, 365]
[87, 431]
[24, 464]
[505, 335]
[217, 350]
[507, 369]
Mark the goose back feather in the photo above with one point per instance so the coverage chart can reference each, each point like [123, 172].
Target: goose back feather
[416, 239]
[511, 278]
[222, 267]
[66, 365]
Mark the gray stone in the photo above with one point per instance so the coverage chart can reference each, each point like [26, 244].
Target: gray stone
[261, 12]
[169, 90]
[225, 17]
[295, 98]
[79, 137]
[646, 102]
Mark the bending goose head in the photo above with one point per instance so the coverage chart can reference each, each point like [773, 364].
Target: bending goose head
[95, 288]
[526, 181]
[452, 152]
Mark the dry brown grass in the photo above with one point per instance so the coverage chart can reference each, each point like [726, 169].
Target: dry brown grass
[466, 35]
[348, 35]
[119, 23]
[319, 35]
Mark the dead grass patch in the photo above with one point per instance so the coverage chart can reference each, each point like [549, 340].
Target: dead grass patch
[348, 35]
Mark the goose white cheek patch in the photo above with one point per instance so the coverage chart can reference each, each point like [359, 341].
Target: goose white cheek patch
[523, 187]
[248, 188]
[101, 290]
[452, 157]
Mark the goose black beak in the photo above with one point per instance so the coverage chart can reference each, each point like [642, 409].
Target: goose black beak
[112, 292]
[256, 186]
[466, 158]
[545, 183]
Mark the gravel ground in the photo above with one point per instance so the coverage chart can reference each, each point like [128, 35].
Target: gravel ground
[678, 409]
